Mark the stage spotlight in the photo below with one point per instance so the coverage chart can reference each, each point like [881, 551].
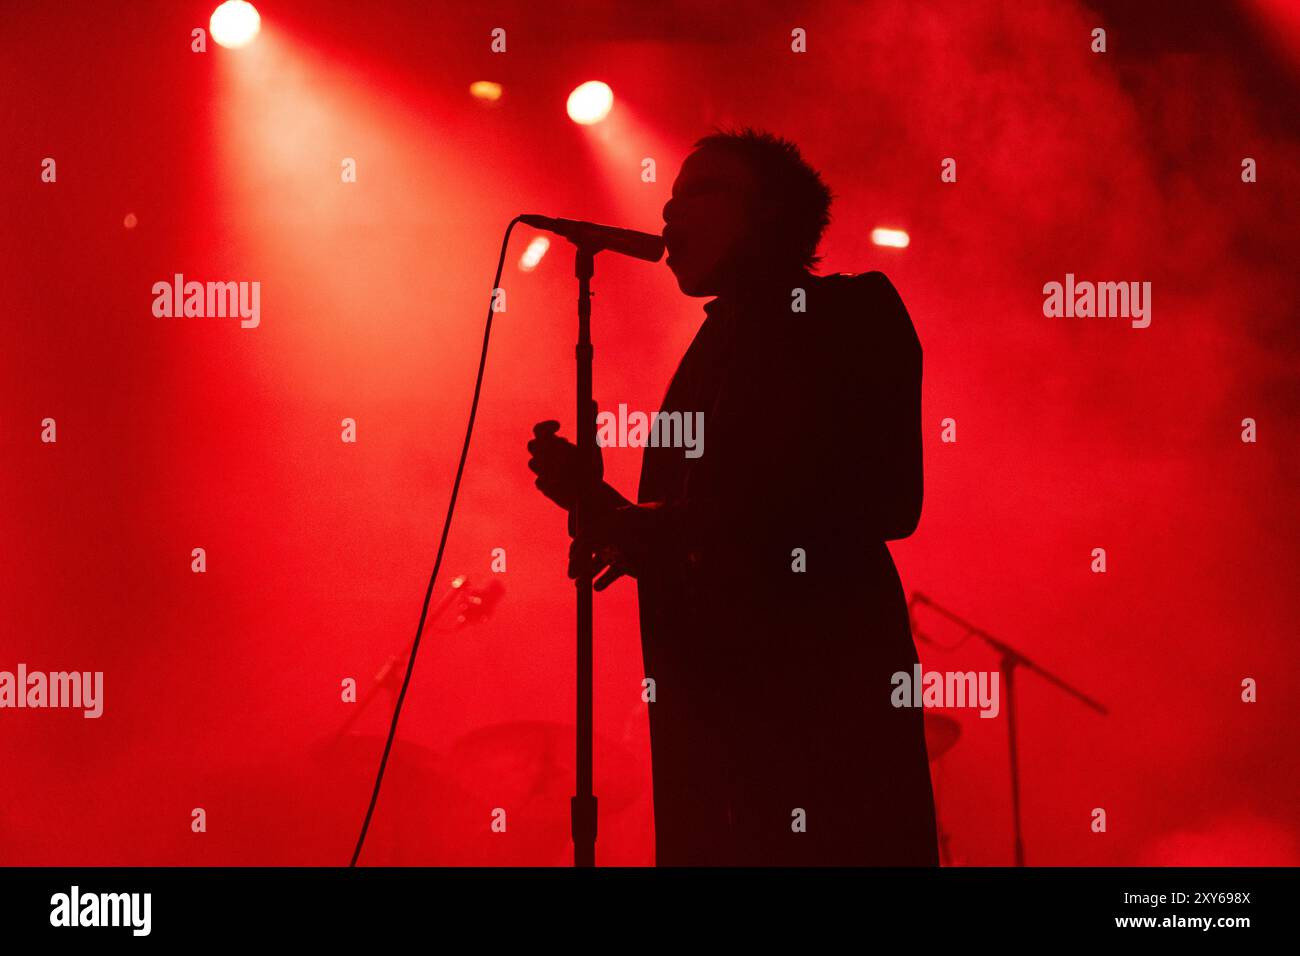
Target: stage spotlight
[590, 103]
[890, 237]
[485, 90]
[234, 24]
[533, 254]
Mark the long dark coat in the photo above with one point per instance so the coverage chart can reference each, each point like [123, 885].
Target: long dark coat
[772, 712]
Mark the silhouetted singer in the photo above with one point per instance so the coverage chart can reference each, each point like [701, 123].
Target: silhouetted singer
[772, 616]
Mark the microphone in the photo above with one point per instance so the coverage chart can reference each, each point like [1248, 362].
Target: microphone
[478, 605]
[593, 236]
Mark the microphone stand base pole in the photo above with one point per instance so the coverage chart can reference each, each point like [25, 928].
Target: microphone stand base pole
[583, 804]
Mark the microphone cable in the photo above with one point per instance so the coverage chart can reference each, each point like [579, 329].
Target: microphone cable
[442, 545]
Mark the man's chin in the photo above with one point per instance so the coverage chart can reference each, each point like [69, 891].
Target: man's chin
[695, 288]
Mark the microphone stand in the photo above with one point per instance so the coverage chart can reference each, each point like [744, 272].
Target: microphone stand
[388, 676]
[1011, 659]
[582, 807]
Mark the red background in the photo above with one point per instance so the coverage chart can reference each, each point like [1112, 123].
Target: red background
[181, 433]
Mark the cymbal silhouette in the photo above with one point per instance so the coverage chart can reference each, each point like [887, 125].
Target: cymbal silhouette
[941, 734]
[534, 761]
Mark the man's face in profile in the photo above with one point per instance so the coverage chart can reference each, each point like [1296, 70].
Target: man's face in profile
[706, 222]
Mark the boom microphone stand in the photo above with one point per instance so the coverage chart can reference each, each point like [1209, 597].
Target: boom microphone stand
[476, 604]
[1011, 659]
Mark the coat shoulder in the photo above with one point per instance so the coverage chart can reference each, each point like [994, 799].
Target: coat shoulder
[865, 307]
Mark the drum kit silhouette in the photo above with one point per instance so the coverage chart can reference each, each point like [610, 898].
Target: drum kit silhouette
[448, 807]
[527, 765]
[436, 804]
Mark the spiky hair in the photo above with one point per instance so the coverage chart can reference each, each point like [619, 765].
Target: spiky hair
[787, 184]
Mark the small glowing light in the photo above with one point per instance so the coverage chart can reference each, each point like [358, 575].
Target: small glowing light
[130, 220]
[485, 90]
[890, 237]
[234, 24]
[533, 254]
[590, 103]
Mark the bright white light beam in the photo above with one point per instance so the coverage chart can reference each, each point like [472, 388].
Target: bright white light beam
[235, 24]
[590, 103]
[896, 238]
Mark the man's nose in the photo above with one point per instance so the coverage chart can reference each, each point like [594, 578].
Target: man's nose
[669, 210]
